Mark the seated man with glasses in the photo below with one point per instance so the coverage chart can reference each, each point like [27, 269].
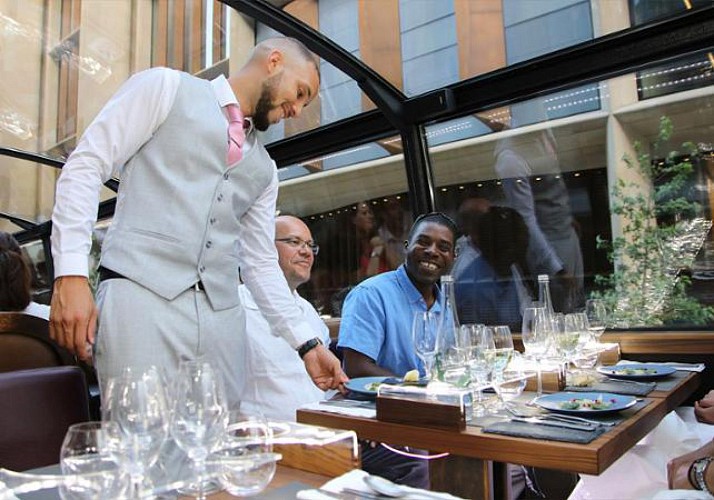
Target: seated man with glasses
[276, 382]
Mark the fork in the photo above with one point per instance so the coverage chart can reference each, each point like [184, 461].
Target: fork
[562, 418]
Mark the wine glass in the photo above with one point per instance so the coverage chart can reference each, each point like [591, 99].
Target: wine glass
[424, 336]
[502, 352]
[596, 313]
[568, 339]
[199, 417]
[513, 381]
[481, 355]
[138, 403]
[452, 357]
[90, 455]
[245, 463]
[534, 333]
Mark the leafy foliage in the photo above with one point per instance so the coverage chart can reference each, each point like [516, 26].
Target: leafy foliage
[646, 288]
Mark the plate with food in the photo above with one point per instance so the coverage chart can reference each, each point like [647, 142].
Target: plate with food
[366, 386]
[592, 403]
[636, 371]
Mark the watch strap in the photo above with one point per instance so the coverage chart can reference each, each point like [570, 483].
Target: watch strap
[699, 466]
[308, 346]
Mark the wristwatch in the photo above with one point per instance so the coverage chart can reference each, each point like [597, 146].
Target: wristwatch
[308, 346]
[697, 473]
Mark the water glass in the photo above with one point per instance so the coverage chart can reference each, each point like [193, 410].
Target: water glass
[425, 327]
[513, 381]
[535, 330]
[138, 403]
[90, 455]
[245, 463]
[596, 313]
[199, 416]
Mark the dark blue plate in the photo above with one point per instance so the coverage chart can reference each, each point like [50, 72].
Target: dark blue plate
[636, 371]
[553, 402]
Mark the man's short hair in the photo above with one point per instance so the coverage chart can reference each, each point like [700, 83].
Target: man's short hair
[436, 217]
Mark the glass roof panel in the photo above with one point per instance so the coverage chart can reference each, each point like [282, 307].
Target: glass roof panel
[422, 45]
[63, 60]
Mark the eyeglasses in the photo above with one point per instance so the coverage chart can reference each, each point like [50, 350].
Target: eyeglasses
[299, 244]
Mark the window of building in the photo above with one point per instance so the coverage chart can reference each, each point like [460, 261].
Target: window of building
[685, 73]
[189, 35]
[66, 55]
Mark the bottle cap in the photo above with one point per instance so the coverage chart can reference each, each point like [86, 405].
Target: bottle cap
[447, 278]
[543, 277]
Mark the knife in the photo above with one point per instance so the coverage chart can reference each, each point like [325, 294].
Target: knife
[349, 403]
[554, 423]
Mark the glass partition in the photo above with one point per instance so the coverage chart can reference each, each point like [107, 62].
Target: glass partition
[614, 202]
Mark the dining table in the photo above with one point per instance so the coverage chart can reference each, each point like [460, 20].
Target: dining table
[476, 465]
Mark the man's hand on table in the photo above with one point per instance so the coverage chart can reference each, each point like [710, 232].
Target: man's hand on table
[324, 369]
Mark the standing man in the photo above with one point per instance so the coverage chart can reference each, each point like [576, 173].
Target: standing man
[197, 194]
[278, 384]
[375, 331]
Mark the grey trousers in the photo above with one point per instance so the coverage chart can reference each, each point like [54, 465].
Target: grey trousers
[138, 329]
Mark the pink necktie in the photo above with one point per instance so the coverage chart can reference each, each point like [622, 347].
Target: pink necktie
[236, 134]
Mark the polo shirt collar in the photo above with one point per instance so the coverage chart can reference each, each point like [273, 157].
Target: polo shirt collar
[413, 295]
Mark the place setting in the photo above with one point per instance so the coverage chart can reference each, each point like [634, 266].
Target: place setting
[578, 417]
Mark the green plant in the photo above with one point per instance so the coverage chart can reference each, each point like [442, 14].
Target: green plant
[660, 235]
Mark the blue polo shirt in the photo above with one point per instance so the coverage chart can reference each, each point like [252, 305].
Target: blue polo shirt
[377, 320]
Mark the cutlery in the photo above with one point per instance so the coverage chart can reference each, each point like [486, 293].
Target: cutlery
[386, 488]
[352, 403]
[555, 423]
[573, 418]
[363, 494]
[345, 494]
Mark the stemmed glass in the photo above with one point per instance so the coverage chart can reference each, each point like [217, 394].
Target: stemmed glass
[199, 416]
[569, 337]
[502, 352]
[534, 333]
[139, 404]
[91, 453]
[425, 329]
[596, 313]
[481, 356]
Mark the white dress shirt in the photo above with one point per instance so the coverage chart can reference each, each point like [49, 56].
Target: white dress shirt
[276, 383]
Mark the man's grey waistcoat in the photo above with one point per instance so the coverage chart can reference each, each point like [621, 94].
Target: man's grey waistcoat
[179, 205]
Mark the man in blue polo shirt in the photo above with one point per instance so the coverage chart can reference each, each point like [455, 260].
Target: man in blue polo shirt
[375, 330]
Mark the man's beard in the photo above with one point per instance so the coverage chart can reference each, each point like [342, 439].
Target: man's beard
[261, 121]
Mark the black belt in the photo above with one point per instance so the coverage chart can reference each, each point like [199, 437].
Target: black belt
[108, 274]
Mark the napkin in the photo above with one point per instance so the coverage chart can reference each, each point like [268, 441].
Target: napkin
[683, 367]
[617, 386]
[537, 431]
[351, 411]
[354, 480]
[6, 493]
[641, 472]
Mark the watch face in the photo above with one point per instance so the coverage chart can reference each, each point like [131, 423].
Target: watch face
[700, 467]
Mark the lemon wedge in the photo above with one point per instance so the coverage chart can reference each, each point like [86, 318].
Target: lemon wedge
[411, 376]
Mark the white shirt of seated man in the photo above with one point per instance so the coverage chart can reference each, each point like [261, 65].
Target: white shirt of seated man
[276, 383]
[641, 473]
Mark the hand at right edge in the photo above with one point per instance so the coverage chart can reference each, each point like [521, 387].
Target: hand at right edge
[73, 315]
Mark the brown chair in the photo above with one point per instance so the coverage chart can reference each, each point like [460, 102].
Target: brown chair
[38, 406]
[25, 343]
